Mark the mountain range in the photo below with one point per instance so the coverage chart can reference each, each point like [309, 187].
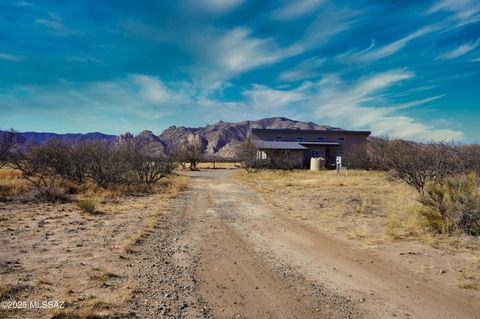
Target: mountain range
[220, 139]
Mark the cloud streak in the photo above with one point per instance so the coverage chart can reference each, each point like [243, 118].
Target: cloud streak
[304, 70]
[10, 57]
[296, 9]
[459, 51]
[371, 54]
[361, 105]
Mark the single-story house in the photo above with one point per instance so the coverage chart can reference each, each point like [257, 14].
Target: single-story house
[305, 144]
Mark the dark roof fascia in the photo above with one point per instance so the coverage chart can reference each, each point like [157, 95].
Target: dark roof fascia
[279, 145]
[264, 130]
[320, 143]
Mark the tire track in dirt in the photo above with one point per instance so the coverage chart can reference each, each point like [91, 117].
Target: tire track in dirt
[223, 252]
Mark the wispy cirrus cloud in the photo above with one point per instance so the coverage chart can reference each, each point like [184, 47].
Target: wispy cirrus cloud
[55, 25]
[304, 70]
[296, 9]
[122, 104]
[361, 105]
[10, 57]
[154, 90]
[373, 54]
[238, 50]
[459, 51]
[231, 53]
[268, 98]
[464, 11]
[215, 6]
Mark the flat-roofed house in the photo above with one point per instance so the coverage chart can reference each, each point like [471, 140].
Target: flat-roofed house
[305, 144]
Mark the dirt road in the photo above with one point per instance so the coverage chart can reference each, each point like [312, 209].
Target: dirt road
[222, 252]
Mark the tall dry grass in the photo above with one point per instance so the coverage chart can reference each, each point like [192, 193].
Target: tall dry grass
[364, 205]
[12, 183]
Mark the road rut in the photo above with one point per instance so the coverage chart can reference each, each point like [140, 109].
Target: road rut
[223, 252]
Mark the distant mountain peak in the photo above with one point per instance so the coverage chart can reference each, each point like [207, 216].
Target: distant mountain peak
[220, 138]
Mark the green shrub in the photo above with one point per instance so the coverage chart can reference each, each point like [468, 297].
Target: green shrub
[87, 205]
[453, 205]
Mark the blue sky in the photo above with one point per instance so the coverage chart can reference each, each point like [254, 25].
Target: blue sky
[407, 69]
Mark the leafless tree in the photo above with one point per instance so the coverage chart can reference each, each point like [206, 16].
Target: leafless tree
[8, 139]
[178, 153]
[470, 157]
[195, 149]
[146, 161]
[107, 164]
[44, 166]
[248, 154]
[417, 163]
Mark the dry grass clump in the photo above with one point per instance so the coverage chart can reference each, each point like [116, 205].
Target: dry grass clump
[453, 205]
[12, 183]
[362, 203]
[367, 205]
[87, 205]
[93, 309]
[218, 165]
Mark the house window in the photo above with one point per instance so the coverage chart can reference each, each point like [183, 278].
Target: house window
[278, 138]
[299, 138]
[321, 138]
[341, 138]
[315, 152]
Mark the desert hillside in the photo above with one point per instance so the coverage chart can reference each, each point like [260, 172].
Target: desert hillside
[220, 138]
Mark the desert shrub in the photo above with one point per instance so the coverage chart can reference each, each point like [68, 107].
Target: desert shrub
[148, 164]
[43, 166]
[178, 154]
[248, 154]
[79, 160]
[470, 157]
[87, 205]
[414, 163]
[131, 164]
[8, 139]
[51, 194]
[194, 150]
[107, 164]
[284, 159]
[453, 204]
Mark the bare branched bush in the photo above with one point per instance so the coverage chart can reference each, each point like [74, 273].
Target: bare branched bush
[55, 167]
[44, 166]
[8, 139]
[178, 153]
[195, 149]
[107, 164]
[248, 154]
[470, 157]
[453, 205]
[284, 159]
[416, 164]
[146, 161]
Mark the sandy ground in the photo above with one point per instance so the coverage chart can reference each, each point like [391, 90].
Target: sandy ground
[223, 252]
[218, 251]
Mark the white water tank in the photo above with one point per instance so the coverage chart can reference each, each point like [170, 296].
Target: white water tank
[317, 163]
